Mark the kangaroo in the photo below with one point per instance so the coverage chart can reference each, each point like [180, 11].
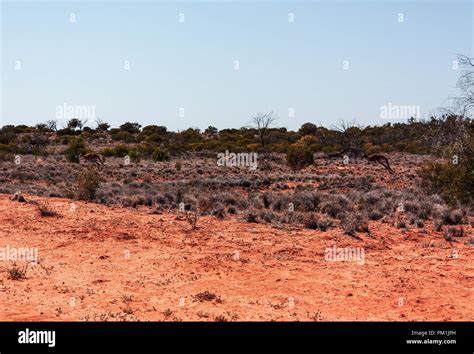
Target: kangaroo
[96, 158]
[381, 160]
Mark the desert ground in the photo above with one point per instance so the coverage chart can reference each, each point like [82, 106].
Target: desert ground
[134, 255]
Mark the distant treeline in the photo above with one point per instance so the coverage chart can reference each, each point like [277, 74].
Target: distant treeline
[416, 137]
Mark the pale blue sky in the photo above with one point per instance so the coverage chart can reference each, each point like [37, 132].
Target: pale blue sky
[190, 65]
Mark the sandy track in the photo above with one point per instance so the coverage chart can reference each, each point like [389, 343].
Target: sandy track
[100, 263]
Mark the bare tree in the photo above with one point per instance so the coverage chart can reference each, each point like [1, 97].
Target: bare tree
[349, 137]
[262, 121]
[465, 102]
[52, 124]
[449, 134]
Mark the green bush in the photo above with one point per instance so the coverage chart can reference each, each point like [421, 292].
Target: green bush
[134, 155]
[121, 150]
[299, 157]
[124, 136]
[160, 155]
[117, 151]
[131, 128]
[75, 149]
[454, 182]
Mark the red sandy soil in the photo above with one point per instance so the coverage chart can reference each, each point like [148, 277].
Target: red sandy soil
[281, 274]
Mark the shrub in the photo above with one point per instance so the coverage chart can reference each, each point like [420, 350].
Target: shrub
[450, 217]
[18, 197]
[352, 223]
[307, 201]
[314, 222]
[311, 222]
[299, 157]
[207, 296]
[130, 127]
[219, 211]
[134, 155]
[250, 216]
[400, 223]
[438, 225]
[16, 272]
[266, 216]
[419, 223]
[192, 218]
[454, 231]
[455, 182]
[88, 184]
[34, 144]
[160, 155]
[124, 136]
[324, 224]
[336, 206]
[454, 217]
[75, 149]
[45, 210]
[375, 215]
[117, 151]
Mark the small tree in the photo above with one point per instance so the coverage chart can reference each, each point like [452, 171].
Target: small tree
[76, 124]
[308, 129]
[131, 128]
[453, 137]
[349, 136]
[211, 131]
[262, 121]
[52, 124]
[465, 102]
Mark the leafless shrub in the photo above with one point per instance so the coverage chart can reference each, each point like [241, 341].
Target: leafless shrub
[375, 215]
[16, 272]
[400, 223]
[167, 312]
[419, 223]
[127, 310]
[250, 216]
[18, 197]
[438, 224]
[219, 211]
[202, 314]
[192, 218]
[88, 183]
[454, 232]
[450, 217]
[266, 216]
[207, 296]
[220, 318]
[314, 222]
[45, 210]
[352, 223]
[336, 206]
[307, 201]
